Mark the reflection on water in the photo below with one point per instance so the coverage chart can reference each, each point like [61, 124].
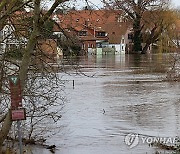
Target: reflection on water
[135, 100]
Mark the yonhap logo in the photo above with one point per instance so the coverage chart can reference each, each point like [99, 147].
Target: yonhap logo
[132, 140]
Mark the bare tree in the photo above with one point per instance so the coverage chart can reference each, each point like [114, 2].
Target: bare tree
[40, 82]
[173, 73]
[135, 10]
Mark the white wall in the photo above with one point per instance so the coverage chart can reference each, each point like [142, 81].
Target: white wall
[120, 48]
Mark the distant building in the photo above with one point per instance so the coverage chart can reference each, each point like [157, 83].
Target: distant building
[14, 36]
[9, 40]
[96, 29]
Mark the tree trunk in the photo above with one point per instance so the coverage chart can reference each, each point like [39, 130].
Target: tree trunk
[137, 38]
[23, 72]
[5, 130]
[146, 48]
[151, 39]
[23, 76]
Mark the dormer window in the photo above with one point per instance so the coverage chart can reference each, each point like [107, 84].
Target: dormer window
[121, 19]
[101, 34]
[83, 33]
[77, 19]
[56, 19]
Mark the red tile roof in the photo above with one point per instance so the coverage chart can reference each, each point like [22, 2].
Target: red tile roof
[95, 20]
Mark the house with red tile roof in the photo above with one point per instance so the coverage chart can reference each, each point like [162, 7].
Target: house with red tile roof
[10, 39]
[15, 33]
[96, 29]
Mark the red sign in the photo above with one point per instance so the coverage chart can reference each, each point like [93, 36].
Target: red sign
[19, 114]
[15, 89]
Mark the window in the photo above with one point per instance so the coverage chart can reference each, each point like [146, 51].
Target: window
[56, 19]
[101, 34]
[99, 45]
[119, 19]
[83, 33]
[83, 46]
[122, 48]
[123, 41]
[97, 20]
[130, 36]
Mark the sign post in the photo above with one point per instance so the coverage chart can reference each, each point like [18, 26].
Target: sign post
[19, 137]
[17, 112]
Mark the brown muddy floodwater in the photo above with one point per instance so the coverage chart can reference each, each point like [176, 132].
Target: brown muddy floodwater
[126, 95]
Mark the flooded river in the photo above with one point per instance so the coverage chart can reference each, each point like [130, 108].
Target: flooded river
[118, 96]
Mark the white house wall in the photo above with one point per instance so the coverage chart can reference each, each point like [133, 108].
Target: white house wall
[120, 48]
[8, 38]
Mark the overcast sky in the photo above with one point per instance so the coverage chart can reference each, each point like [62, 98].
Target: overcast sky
[174, 2]
[97, 3]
